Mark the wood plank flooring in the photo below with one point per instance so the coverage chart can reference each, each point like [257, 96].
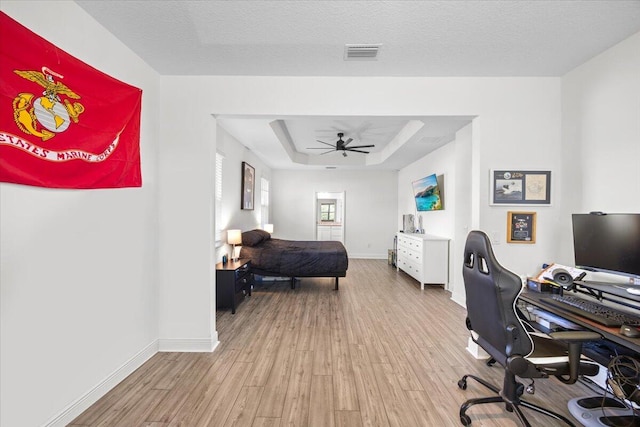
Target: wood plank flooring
[378, 352]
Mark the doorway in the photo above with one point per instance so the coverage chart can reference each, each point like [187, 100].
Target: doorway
[330, 216]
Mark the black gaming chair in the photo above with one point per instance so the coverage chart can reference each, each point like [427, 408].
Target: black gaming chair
[492, 318]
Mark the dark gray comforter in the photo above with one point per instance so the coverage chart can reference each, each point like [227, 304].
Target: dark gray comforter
[289, 258]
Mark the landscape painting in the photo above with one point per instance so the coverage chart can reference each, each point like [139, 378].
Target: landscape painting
[426, 192]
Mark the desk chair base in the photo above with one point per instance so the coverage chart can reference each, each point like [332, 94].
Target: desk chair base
[510, 396]
[599, 411]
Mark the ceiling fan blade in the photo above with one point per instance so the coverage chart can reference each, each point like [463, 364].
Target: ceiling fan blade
[325, 143]
[326, 152]
[317, 148]
[347, 142]
[362, 146]
[358, 151]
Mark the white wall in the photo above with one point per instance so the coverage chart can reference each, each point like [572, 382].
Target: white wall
[517, 126]
[601, 135]
[453, 163]
[91, 324]
[78, 268]
[370, 207]
[520, 125]
[441, 162]
[231, 215]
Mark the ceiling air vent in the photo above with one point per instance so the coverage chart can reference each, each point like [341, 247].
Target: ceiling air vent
[361, 52]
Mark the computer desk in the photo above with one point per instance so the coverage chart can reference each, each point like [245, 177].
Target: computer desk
[611, 334]
[587, 414]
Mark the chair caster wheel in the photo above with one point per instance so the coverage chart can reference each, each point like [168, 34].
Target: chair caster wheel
[462, 384]
[491, 362]
[465, 420]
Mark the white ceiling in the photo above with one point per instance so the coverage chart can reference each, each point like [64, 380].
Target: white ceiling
[307, 38]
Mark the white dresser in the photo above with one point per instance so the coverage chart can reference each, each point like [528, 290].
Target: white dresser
[424, 257]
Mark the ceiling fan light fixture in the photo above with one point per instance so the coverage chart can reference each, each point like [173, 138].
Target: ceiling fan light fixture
[341, 146]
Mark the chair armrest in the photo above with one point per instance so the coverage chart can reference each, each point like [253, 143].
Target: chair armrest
[575, 336]
[574, 339]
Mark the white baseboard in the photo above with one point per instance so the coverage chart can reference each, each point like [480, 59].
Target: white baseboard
[196, 345]
[92, 396]
[368, 256]
[459, 299]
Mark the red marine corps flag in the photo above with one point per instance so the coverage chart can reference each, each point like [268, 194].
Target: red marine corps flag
[63, 124]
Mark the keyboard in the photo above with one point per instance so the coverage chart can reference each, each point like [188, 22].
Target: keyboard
[595, 311]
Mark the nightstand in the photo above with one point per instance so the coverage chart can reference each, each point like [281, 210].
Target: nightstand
[233, 281]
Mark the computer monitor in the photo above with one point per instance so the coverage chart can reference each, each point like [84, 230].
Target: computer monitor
[607, 242]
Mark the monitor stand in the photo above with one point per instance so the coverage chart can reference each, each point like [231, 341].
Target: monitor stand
[596, 411]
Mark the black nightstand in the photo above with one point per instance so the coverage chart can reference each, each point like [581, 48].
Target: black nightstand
[233, 281]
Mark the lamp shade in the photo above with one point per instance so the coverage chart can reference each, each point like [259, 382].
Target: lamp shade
[268, 228]
[234, 237]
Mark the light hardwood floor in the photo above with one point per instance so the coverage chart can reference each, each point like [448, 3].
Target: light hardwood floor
[378, 352]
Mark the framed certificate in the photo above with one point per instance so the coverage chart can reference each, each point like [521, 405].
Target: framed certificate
[518, 187]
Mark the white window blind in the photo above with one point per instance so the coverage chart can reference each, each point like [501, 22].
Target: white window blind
[218, 207]
[264, 201]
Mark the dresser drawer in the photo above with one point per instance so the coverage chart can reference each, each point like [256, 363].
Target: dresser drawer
[244, 283]
[414, 256]
[233, 282]
[412, 269]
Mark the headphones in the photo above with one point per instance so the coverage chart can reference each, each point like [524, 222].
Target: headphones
[623, 377]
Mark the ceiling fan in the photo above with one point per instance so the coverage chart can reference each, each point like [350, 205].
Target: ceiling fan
[341, 145]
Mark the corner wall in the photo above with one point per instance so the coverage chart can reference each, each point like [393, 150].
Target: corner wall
[78, 268]
[601, 135]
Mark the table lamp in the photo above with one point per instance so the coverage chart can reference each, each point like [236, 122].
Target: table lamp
[268, 228]
[234, 237]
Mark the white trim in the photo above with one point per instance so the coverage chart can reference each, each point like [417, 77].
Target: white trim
[103, 387]
[369, 256]
[189, 345]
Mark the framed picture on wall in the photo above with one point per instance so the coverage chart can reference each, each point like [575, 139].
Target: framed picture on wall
[519, 187]
[521, 227]
[248, 186]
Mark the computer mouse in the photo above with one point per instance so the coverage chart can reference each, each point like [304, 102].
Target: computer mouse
[629, 331]
[634, 291]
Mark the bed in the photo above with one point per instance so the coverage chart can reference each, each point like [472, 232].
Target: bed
[291, 258]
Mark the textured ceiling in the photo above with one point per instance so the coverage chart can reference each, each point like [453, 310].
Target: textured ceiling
[290, 142]
[419, 38]
[307, 38]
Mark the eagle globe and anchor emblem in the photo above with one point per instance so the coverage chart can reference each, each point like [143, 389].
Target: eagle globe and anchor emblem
[49, 111]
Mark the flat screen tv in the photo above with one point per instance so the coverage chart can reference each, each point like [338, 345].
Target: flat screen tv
[607, 242]
[427, 194]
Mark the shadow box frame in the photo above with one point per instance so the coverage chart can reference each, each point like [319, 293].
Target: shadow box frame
[521, 227]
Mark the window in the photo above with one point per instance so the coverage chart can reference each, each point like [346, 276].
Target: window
[327, 212]
[264, 201]
[218, 202]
